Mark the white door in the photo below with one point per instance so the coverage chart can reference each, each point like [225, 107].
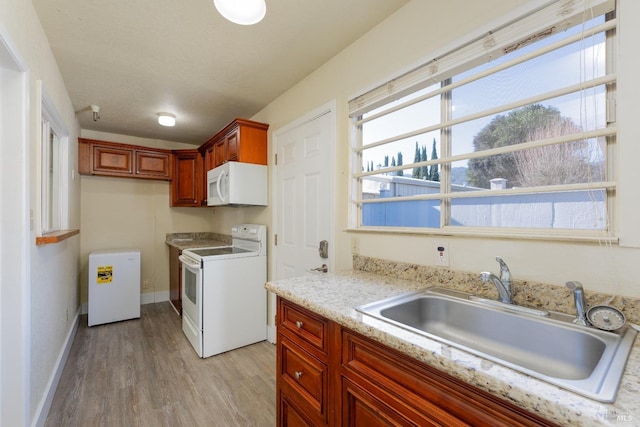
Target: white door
[304, 209]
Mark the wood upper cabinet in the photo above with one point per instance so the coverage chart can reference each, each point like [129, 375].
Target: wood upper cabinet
[219, 152]
[188, 185]
[123, 160]
[370, 384]
[240, 141]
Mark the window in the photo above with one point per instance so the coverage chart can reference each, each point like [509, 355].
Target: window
[513, 132]
[54, 185]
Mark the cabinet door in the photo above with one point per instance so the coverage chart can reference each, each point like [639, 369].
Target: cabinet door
[415, 389]
[232, 145]
[188, 183]
[153, 164]
[361, 408]
[208, 159]
[290, 416]
[112, 160]
[219, 152]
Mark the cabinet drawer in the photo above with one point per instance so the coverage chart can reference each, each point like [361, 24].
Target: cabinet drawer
[304, 378]
[304, 325]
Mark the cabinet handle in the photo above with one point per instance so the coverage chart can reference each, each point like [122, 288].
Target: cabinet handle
[298, 374]
[299, 324]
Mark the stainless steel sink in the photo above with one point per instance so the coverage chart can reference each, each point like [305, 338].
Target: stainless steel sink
[543, 344]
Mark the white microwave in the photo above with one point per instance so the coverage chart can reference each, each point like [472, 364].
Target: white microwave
[236, 183]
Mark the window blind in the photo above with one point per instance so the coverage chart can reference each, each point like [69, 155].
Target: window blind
[551, 19]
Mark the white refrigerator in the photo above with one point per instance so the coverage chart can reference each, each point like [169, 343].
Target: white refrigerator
[114, 286]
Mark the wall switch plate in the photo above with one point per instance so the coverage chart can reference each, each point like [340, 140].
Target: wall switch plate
[145, 284]
[442, 254]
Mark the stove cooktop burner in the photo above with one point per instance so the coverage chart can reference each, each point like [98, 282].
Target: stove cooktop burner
[224, 250]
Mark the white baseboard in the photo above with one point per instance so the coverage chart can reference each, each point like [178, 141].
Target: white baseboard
[148, 298]
[271, 334]
[153, 297]
[45, 404]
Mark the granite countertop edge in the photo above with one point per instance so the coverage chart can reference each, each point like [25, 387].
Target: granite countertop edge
[335, 296]
[184, 241]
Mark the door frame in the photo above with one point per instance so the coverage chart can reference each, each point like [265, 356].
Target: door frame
[15, 282]
[328, 108]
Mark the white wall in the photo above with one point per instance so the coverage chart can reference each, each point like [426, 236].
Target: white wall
[410, 37]
[50, 286]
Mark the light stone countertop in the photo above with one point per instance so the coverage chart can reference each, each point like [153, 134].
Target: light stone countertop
[184, 241]
[335, 296]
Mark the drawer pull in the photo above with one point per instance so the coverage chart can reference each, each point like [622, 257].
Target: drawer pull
[299, 324]
[297, 374]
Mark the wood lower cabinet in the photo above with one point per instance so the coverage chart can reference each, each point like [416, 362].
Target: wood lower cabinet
[188, 185]
[123, 160]
[370, 384]
[303, 367]
[175, 279]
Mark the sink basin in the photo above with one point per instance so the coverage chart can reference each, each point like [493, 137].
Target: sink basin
[543, 344]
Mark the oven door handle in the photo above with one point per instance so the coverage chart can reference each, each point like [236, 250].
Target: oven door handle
[189, 263]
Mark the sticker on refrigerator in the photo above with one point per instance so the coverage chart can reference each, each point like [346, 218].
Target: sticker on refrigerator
[105, 274]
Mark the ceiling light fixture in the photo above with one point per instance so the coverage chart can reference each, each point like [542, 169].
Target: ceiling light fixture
[167, 119]
[243, 12]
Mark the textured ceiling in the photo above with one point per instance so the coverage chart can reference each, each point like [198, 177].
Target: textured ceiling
[135, 58]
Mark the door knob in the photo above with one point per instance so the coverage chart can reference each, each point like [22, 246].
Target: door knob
[322, 268]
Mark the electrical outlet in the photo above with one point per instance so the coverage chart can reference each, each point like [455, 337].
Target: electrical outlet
[145, 284]
[355, 245]
[442, 254]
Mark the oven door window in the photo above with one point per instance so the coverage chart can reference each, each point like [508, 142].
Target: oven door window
[192, 292]
[190, 286]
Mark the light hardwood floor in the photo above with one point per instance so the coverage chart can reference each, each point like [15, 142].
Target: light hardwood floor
[145, 373]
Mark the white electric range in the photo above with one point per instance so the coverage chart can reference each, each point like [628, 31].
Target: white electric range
[224, 302]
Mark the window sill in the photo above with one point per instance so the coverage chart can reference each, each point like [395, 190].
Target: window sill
[56, 236]
[504, 233]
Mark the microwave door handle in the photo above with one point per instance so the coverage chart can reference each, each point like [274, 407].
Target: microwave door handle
[218, 186]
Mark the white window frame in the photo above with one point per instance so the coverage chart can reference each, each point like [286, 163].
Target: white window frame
[58, 157]
[469, 54]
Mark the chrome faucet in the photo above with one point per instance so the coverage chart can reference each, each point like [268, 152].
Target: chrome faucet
[503, 283]
[581, 304]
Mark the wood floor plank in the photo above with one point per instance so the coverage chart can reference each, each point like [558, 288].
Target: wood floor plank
[144, 372]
